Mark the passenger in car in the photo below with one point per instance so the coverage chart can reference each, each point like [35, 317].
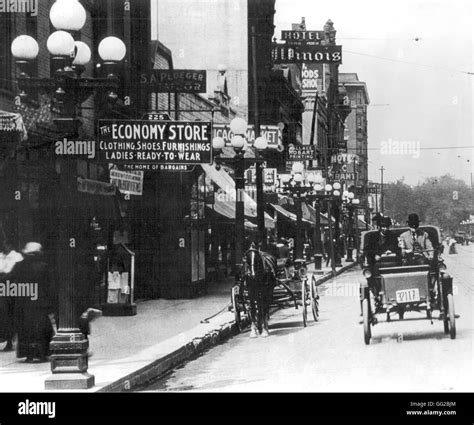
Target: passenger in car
[415, 244]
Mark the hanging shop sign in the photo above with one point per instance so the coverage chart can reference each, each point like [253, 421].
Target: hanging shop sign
[283, 53]
[302, 37]
[301, 153]
[311, 78]
[95, 187]
[269, 176]
[155, 142]
[271, 132]
[130, 182]
[342, 176]
[344, 158]
[342, 146]
[175, 80]
[373, 189]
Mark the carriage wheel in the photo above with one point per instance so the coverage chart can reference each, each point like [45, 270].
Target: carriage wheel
[304, 296]
[366, 321]
[235, 307]
[452, 319]
[314, 299]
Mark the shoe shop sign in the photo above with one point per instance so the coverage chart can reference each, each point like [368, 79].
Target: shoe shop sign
[155, 142]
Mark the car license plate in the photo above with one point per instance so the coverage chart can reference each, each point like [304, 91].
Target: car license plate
[407, 295]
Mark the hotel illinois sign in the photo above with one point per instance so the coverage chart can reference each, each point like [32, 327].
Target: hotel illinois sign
[284, 53]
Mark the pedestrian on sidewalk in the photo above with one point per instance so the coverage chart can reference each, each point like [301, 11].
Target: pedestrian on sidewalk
[34, 315]
[8, 259]
[327, 247]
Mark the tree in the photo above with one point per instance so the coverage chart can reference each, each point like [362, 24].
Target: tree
[432, 200]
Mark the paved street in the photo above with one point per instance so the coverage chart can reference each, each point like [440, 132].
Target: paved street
[330, 356]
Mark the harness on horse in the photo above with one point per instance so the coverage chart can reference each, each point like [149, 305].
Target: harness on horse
[268, 261]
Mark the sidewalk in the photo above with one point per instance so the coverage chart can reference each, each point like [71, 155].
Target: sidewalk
[129, 351]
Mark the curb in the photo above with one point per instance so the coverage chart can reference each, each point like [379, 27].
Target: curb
[188, 351]
[164, 364]
[330, 275]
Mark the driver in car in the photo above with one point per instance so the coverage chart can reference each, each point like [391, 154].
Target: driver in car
[415, 244]
[381, 245]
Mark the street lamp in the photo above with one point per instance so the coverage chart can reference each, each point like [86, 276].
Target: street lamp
[239, 145]
[295, 186]
[68, 90]
[312, 189]
[350, 203]
[333, 197]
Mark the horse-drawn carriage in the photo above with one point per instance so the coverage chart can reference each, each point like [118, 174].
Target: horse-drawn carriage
[266, 282]
[394, 286]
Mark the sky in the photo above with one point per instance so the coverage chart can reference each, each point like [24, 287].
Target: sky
[421, 99]
[421, 112]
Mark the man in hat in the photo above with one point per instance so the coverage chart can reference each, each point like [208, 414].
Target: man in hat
[383, 243]
[415, 244]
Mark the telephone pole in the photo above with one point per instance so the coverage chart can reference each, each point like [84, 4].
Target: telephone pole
[381, 190]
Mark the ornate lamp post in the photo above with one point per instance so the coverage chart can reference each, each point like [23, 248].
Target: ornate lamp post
[295, 187]
[239, 145]
[350, 203]
[333, 195]
[68, 90]
[310, 190]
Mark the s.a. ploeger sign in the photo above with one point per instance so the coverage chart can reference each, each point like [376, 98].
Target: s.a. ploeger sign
[283, 53]
[175, 80]
[159, 142]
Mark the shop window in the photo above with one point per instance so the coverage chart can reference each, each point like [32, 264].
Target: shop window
[198, 196]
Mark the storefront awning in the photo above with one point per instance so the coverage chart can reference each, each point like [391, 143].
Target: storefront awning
[11, 123]
[288, 214]
[227, 184]
[228, 212]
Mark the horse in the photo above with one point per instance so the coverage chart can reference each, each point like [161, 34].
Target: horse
[259, 277]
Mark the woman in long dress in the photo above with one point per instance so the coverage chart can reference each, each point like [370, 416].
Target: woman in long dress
[34, 316]
[8, 259]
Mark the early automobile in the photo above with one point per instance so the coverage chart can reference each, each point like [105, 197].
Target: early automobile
[392, 286]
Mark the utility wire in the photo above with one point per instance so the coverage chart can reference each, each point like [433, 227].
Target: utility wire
[408, 62]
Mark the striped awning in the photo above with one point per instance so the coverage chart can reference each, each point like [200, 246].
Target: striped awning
[227, 207]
